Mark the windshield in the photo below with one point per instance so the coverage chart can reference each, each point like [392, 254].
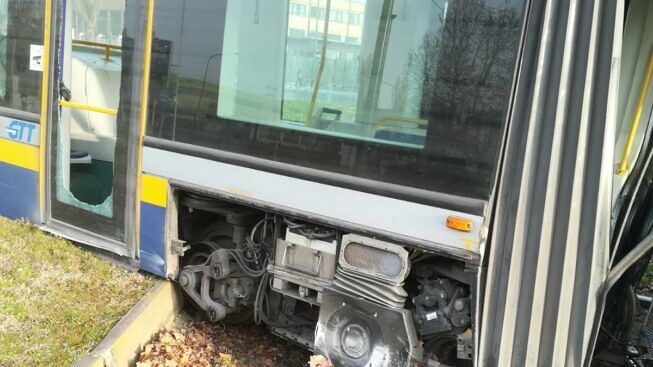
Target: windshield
[408, 92]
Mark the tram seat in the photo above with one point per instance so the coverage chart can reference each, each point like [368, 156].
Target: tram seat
[408, 136]
[79, 157]
[349, 128]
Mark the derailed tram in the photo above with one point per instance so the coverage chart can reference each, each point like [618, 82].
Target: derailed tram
[383, 182]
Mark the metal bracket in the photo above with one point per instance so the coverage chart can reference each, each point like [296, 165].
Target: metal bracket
[314, 272]
[177, 247]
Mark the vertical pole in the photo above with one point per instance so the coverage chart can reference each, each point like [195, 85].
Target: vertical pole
[143, 118]
[316, 86]
[368, 105]
[623, 166]
[45, 89]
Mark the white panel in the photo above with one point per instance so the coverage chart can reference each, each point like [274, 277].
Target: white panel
[376, 212]
[95, 82]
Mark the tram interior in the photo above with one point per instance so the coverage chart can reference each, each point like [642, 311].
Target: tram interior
[277, 69]
[637, 54]
[92, 73]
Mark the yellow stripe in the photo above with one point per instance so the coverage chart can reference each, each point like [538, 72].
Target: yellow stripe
[44, 105]
[18, 154]
[154, 190]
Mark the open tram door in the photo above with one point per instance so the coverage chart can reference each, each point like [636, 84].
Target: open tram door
[94, 121]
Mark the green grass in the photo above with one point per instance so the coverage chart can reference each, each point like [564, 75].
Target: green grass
[295, 110]
[57, 301]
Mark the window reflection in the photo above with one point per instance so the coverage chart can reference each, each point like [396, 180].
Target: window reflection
[98, 21]
[21, 26]
[338, 77]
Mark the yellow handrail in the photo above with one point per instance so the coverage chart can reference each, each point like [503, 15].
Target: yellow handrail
[623, 166]
[320, 70]
[107, 47]
[413, 120]
[79, 106]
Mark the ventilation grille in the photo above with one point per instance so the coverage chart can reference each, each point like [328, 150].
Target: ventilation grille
[373, 270]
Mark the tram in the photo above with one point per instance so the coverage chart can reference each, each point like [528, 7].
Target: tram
[383, 182]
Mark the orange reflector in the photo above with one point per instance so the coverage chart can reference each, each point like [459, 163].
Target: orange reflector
[459, 224]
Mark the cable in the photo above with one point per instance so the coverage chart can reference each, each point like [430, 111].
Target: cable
[603, 329]
[249, 271]
[252, 234]
[316, 233]
[258, 300]
[261, 298]
[292, 224]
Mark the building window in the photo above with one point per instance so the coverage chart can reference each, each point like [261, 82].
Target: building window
[317, 12]
[336, 16]
[354, 19]
[298, 9]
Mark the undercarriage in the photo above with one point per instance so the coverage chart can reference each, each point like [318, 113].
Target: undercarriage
[356, 299]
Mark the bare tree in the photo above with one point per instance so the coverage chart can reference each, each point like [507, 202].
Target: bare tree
[472, 60]
[465, 70]
[89, 10]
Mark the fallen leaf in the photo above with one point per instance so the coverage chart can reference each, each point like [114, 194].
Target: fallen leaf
[319, 361]
[214, 345]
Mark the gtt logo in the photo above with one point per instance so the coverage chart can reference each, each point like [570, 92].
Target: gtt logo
[21, 130]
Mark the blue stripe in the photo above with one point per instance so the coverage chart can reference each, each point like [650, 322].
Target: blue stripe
[19, 193]
[153, 220]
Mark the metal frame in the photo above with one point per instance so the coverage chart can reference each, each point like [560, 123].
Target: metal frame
[44, 118]
[468, 257]
[430, 198]
[131, 246]
[550, 232]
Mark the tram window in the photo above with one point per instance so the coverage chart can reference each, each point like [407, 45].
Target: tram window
[410, 92]
[21, 26]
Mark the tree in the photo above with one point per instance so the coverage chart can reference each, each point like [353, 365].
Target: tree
[89, 10]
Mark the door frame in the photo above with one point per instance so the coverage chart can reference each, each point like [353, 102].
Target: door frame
[49, 106]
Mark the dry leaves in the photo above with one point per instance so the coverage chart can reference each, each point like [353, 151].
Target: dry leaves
[208, 345]
[319, 361]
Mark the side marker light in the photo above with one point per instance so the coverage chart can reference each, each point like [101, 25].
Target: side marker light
[459, 224]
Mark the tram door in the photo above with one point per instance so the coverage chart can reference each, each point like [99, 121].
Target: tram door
[95, 121]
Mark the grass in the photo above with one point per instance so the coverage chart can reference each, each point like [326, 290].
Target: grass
[295, 110]
[57, 301]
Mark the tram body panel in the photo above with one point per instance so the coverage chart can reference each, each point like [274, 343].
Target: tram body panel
[153, 206]
[19, 169]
